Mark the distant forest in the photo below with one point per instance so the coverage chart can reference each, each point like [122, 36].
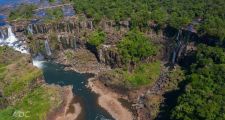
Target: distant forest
[176, 13]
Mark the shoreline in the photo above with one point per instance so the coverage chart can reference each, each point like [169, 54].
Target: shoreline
[108, 100]
[70, 109]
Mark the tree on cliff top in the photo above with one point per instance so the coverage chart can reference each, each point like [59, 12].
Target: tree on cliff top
[96, 38]
[135, 47]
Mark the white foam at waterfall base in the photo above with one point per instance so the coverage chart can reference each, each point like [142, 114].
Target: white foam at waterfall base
[38, 61]
[13, 42]
[38, 64]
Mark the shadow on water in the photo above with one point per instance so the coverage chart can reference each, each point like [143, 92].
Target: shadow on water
[55, 74]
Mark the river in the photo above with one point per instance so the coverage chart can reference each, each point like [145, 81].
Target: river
[55, 74]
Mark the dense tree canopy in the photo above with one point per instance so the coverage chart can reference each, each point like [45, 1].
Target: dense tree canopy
[204, 96]
[175, 13]
[135, 46]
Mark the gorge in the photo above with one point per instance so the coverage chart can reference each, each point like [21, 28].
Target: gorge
[55, 74]
[104, 60]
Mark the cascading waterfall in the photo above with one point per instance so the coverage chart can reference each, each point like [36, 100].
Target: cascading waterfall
[47, 48]
[3, 34]
[74, 43]
[38, 60]
[30, 29]
[58, 38]
[91, 25]
[9, 39]
[178, 45]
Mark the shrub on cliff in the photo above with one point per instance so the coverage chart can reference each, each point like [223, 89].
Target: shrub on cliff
[96, 38]
[135, 47]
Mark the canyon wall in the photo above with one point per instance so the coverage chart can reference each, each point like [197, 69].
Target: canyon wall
[72, 32]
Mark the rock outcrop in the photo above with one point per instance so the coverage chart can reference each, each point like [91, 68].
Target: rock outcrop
[108, 55]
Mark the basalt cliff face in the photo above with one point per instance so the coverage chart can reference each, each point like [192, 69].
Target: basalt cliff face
[72, 32]
[66, 33]
[69, 33]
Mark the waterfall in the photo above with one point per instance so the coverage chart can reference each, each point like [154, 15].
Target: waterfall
[38, 60]
[58, 38]
[91, 25]
[11, 41]
[47, 48]
[177, 47]
[74, 43]
[30, 29]
[174, 56]
[3, 34]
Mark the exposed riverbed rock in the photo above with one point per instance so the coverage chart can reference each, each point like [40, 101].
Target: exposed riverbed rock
[80, 60]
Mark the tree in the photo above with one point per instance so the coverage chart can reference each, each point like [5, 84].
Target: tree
[135, 46]
[204, 95]
[96, 38]
[159, 15]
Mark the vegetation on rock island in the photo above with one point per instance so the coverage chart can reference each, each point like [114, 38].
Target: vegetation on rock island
[22, 12]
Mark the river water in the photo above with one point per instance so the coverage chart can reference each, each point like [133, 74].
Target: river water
[7, 5]
[55, 74]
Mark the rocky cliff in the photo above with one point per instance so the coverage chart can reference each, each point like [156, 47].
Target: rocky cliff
[72, 32]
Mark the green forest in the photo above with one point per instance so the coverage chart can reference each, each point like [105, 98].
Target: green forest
[203, 96]
[199, 77]
[210, 14]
